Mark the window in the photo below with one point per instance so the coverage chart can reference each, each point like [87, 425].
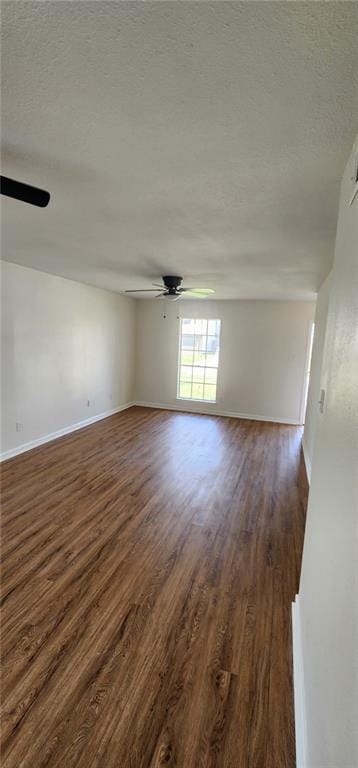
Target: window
[199, 344]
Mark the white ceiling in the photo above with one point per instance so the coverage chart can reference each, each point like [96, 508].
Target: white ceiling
[205, 139]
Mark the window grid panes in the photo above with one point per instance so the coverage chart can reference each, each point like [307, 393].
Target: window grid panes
[199, 346]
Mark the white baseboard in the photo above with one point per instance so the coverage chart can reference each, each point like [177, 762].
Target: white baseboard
[307, 461]
[207, 412]
[299, 688]
[86, 422]
[60, 433]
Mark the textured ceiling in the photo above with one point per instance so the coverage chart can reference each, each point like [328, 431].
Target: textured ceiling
[199, 138]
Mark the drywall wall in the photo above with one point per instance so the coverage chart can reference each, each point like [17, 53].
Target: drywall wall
[63, 343]
[312, 410]
[329, 579]
[262, 356]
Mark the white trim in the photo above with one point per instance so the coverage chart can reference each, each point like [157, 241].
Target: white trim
[60, 432]
[299, 688]
[354, 195]
[307, 371]
[354, 176]
[307, 460]
[207, 412]
[163, 406]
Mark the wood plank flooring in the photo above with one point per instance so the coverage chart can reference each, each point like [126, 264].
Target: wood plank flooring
[149, 564]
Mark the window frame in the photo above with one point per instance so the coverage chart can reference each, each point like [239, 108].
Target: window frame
[193, 365]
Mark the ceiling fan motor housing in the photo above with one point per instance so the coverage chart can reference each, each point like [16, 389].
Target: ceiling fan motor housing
[172, 283]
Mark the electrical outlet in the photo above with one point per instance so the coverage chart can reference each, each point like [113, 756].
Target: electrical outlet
[18, 426]
[88, 403]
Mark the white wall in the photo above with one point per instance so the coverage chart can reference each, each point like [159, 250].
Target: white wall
[63, 343]
[312, 411]
[262, 357]
[328, 596]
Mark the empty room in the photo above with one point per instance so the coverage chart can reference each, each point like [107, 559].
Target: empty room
[179, 384]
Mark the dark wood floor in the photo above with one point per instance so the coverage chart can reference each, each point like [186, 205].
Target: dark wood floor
[149, 564]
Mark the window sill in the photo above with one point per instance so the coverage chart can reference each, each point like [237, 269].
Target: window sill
[196, 400]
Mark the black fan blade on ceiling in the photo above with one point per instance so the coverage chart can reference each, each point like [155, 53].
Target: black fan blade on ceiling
[24, 192]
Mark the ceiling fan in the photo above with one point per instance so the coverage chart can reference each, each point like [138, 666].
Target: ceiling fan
[171, 289]
[24, 192]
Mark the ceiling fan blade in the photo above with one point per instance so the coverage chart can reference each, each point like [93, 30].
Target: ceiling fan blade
[199, 293]
[24, 192]
[141, 290]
